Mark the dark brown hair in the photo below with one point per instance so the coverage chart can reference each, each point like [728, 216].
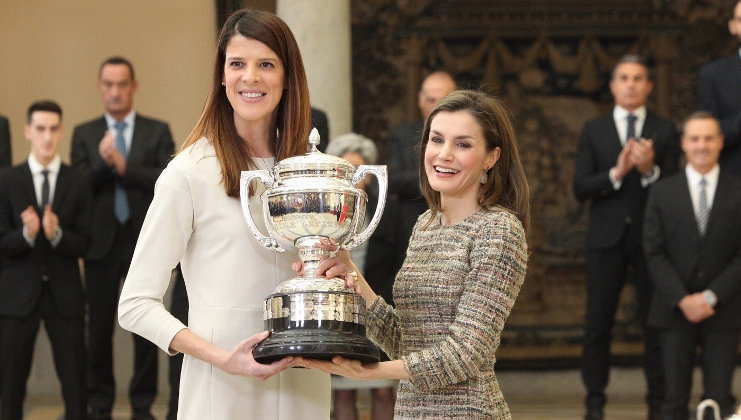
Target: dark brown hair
[294, 112]
[117, 60]
[43, 106]
[506, 185]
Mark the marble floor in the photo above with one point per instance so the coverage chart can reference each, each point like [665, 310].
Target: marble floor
[539, 395]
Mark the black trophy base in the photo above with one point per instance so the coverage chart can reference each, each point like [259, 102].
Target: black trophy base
[316, 344]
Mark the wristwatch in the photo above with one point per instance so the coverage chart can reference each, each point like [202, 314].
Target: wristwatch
[710, 297]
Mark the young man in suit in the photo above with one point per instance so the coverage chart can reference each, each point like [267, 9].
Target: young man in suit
[44, 229]
[619, 156]
[123, 153]
[692, 240]
[720, 94]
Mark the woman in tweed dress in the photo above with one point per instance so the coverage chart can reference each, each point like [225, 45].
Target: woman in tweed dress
[464, 268]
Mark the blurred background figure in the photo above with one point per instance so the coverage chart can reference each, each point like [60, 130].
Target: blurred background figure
[388, 245]
[360, 150]
[720, 94]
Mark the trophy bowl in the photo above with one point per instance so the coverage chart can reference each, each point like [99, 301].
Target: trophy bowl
[311, 204]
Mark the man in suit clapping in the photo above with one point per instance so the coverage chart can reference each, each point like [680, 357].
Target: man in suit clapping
[44, 230]
[619, 156]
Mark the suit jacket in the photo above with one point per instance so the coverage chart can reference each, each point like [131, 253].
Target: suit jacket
[680, 261]
[319, 121]
[151, 149]
[5, 156]
[612, 210]
[720, 93]
[25, 267]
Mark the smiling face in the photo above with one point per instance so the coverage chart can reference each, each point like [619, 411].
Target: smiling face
[456, 156]
[44, 132]
[254, 80]
[702, 142]
[630, 85]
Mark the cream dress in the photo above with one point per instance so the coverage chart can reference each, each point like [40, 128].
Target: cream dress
[227, 274]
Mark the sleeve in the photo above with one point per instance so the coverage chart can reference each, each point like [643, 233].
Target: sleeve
[162, 242]
[382, 326]
[664, 274]
[498, 259]
[12, 240]
[144, 176]
[589, 180]
[99, 174]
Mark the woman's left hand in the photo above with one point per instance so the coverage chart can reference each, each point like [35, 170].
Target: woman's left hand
[350, 368]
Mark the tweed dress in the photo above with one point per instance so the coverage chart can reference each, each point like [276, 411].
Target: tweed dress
[453, 295]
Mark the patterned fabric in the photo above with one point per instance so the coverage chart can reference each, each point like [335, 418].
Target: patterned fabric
[453, 295]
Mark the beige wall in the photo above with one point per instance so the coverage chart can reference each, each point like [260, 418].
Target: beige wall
[52, 49]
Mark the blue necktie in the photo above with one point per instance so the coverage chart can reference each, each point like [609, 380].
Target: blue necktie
[631, 134]
[121, 202]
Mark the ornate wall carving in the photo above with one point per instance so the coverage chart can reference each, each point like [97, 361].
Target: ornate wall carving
[550, 60]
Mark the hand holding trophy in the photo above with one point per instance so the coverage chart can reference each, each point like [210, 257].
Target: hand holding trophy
[312, 204]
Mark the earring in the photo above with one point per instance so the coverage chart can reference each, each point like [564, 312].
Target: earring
[223, 84]
[484, 177]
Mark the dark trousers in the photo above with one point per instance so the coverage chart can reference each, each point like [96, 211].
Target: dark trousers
[678, 349]
[103, 283]
[179, 309]
[67, 337]
[606, 275]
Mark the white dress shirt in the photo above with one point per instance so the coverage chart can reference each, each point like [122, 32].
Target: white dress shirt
[38, 181]
[128, 132]
[620, 116]
[693, 182]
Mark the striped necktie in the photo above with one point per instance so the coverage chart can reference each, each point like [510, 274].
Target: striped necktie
[703, 210]
[121, 201]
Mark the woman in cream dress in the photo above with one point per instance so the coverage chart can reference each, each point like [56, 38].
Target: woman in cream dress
[258, 111]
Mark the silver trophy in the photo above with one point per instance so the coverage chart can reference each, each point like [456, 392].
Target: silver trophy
[311, 204]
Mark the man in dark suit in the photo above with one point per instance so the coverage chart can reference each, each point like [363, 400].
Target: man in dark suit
[720, 94]
[44, 229]
[123, 153]
[692, 240]
[5, 156]
[619, 156]
[388, 245]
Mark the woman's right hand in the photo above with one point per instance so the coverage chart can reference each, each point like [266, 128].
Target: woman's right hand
[241, 362]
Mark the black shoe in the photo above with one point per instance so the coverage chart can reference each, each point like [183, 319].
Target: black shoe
[142, 415]
[594, 413]
[99, 414]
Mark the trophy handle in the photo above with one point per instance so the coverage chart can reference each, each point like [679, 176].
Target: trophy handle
[244, 193]
[380, 172]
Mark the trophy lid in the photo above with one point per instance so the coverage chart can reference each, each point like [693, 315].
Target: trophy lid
[314, 164]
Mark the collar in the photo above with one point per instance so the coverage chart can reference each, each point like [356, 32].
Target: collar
[36, 167]
[128, 119]
[693, 177]
[620, 113]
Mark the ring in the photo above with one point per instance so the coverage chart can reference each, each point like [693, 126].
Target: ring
[354, 274]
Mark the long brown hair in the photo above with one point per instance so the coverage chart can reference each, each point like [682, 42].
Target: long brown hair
[506, 185]
[294, 112]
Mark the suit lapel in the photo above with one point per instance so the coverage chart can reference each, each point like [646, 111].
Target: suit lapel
[612, 144]
[684, 208]
[60, 190]
[649, 127]
[719, 201]
[136, 139]
[27, 185]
